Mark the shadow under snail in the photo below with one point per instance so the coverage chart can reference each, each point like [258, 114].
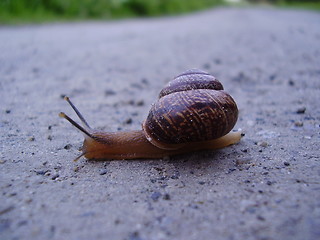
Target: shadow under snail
[193, 113]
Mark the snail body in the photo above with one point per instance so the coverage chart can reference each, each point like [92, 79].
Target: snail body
[193, 113]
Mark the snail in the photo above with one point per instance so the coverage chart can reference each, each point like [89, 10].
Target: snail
[193, 113]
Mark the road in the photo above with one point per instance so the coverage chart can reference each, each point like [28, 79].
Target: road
[265, 187]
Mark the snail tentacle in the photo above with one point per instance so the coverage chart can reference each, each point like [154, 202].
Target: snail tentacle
[82, 129]
[83, 120]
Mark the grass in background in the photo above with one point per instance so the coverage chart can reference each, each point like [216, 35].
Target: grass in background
[26, 11]
[302, 4]
[21, 11]
[307, 4]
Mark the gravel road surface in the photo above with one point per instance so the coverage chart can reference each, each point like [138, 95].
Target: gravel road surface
[265, 187]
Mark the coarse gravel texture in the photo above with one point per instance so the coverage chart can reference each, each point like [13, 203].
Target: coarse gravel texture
[265, 187]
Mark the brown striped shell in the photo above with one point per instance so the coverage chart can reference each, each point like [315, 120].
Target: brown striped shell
[192, 108]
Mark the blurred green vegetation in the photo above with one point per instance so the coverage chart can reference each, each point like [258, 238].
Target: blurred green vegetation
[26, 11]
[306, 4]
[19, 11]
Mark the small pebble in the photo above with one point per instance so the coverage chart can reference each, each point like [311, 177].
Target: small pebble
[298, 124]
[272, 77]
[262, 144]
[134, 236]
[144, 81]
[103, 172]
[202, 182]
[155, 196]
[109, 92]
[217, 61]
[301, 110]
[194, 206]
[8, 111]
[291, 82]
[241, 77]
[68, 146]
[176, 175]
[231, 170]
[206, 66]
[243, 161]
[41, 172]
[286, 164]
[54, 177]
[128, 121]
[31, 139]
[260, 218]
[140, 103]
[57, 167]
[166, 197]
[22, 223]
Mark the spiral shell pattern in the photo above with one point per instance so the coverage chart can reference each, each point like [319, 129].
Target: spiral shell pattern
[193, 107]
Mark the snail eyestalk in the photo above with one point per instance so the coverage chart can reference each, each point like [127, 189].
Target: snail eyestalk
[77, 112]
[65, 116]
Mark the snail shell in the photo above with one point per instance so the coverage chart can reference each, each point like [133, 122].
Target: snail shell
[193, 107]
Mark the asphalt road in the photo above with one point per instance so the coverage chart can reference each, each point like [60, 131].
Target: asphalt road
[265, 187]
